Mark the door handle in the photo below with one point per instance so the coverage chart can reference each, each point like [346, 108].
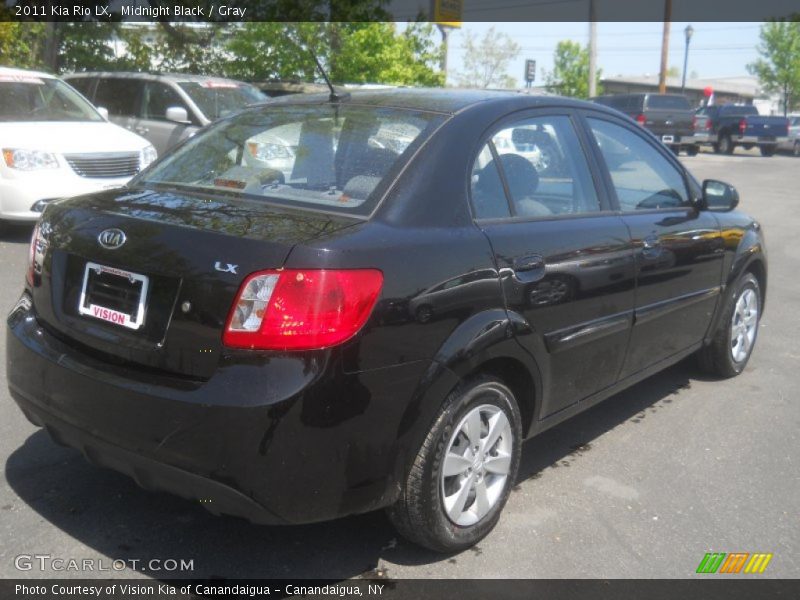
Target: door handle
[651, 246]
[528, 269]
[529, 263]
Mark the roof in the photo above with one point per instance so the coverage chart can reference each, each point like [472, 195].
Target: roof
[442, 100]
[150, 76]
[740, 86]
[24, 73]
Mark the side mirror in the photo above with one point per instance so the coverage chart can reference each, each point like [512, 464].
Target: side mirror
[103, 112]
[719, 196]
[177, 114]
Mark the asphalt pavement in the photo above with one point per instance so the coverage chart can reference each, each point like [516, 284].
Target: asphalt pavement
[643, 485]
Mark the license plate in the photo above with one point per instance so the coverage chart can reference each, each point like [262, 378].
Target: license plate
[667, 139]
[113, 295]
[766, 138]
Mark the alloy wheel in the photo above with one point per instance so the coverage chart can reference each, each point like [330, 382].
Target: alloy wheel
[476, 464]
[744, 325]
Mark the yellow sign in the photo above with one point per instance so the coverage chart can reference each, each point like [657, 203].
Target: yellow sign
[448, 12]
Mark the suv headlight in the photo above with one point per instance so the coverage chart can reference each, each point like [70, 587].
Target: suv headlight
[147, 156]
[29, 160]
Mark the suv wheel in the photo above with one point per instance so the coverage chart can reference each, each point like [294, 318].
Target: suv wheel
[692, 150]
[732, 345]
[463, 473]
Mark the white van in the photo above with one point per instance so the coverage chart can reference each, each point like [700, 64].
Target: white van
[55, 144]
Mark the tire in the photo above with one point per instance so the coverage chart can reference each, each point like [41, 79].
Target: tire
[692, 150]
[421, 515]
[725, 356]
[424, 313]
[796, 149]
[676, 150]
[726, 144]
[716, 148]
[767, 150]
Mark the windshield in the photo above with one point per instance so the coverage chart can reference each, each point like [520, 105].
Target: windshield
[327, 157]
[31, 98]
[217, 99]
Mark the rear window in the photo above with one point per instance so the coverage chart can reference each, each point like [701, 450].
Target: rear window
[217, 99]
[328, 157]
[733, 110]
[668, 102]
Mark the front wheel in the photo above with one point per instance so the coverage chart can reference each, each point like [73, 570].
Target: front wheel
[463, 473]
[730, 349]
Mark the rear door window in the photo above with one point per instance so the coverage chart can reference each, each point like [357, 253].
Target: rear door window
[543, 166]
[119, 96]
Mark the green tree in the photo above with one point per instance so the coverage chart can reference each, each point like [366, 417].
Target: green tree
[351, 53]
[486, 61]
[570, 74]
[778, 69]
[21, 44]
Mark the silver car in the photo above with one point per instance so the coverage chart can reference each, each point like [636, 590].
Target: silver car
[166, 108]
[792, 144]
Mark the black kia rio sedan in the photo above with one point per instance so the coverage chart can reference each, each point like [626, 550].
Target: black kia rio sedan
[325, 306]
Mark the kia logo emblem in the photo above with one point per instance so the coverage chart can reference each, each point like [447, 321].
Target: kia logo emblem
[111, 239]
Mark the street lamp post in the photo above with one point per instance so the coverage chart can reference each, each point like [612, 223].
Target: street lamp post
[688, 32]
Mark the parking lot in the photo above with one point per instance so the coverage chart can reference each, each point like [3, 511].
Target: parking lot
[642, 485]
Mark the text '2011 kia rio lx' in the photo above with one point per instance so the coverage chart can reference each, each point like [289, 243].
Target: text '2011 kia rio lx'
[381, 323]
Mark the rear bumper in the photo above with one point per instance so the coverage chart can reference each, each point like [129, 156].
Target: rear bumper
[759, 140]
[326, 445]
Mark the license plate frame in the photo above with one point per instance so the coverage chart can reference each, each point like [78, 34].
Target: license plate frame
[107, 314]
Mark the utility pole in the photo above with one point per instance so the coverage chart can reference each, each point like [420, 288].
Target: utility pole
[592, 51]
[445, 31]
[662, 76]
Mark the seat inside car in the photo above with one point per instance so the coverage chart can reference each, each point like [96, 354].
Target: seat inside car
[522, 179]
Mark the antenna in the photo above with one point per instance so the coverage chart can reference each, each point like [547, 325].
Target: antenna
[334, 95]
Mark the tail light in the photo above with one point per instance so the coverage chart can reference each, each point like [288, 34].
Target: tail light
[694, 123]
[35, 255]
[641, 119]
[742, 126]
[301, 309]
[708, 124]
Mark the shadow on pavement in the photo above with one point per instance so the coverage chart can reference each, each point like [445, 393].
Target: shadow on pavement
[110, 514]
[15, 233]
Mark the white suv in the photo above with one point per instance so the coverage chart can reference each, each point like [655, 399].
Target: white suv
[55, 144]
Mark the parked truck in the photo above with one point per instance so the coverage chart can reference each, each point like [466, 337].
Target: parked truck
[729, 125]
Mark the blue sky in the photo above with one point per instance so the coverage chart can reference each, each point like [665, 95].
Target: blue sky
[716, 50]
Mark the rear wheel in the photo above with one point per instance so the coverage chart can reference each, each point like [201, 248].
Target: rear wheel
[732, 345]
[767, 150]
[463, 473]
[726, 144]
[692, 150]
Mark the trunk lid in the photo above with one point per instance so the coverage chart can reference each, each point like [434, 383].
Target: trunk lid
[183, 259]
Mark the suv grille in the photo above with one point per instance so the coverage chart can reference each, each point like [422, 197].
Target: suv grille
[104, 165]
